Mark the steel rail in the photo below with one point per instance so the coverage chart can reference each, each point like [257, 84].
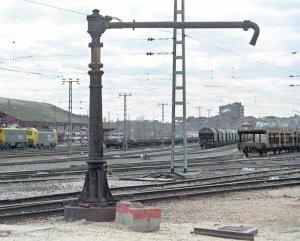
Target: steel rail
[155, 195]
[207, 180]
[129, 167]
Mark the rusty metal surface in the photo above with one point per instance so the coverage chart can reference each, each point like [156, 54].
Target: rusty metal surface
[95, 190]
[224, 234]
[243, 24]
[98, 24]
[257, 145]
[252, 131]
[241, 229]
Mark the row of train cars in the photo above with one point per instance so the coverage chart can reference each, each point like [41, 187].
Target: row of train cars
[259, 141]
[11, 138]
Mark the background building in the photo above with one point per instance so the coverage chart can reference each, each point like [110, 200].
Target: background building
[235, 110]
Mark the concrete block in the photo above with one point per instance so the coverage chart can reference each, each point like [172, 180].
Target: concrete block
[122, 211]
[137, 217]
[145, 219]
[92, 214]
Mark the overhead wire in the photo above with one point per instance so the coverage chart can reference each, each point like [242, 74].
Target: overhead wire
[55, 7]
[22, 71]
[189, 36]
[236, 54]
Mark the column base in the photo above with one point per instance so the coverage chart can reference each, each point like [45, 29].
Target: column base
[92, 214]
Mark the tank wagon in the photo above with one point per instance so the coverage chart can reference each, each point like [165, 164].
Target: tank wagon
[213, 137]
[274, 140]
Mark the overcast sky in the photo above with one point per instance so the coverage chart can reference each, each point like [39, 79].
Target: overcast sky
[41, 45]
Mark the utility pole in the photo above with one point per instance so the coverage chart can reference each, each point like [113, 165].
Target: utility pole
[199, 115]
[70, 127]
[208, 112]
[125, 118]
[96, 203]
[162, 118]
[54, 117]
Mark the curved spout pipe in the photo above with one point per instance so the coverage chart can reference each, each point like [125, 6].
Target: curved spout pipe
[254, 26]
[97, 24]
[244, 25]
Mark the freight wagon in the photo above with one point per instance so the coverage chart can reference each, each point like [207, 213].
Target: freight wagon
[213, 137]
[274, 140]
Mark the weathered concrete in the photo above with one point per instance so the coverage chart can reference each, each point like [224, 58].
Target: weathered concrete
[122, 212]
[92, 214]
[137, 217]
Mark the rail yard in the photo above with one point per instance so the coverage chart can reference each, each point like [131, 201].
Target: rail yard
[37, 188]
[86, 172]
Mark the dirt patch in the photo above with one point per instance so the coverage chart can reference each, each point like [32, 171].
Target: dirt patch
[275, 213]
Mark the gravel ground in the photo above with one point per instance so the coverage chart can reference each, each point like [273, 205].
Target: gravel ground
[275, 213]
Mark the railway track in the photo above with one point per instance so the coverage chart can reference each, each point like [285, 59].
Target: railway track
[20, 176]
[212, 163]
[25, 207]
[109, 153]
[275, 171]
[137, 154]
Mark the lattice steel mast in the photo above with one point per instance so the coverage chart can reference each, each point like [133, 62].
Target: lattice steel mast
[125, 134]
[178, 151]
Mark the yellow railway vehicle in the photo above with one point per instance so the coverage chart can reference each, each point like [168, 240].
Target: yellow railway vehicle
[41, 138]
[32, 137]
[11, 138]
[46, 138]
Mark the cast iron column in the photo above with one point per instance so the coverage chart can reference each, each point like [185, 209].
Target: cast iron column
[95, 190]
[95, 202]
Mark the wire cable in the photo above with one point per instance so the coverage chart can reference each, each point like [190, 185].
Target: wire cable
[236, 54]
[50, 6]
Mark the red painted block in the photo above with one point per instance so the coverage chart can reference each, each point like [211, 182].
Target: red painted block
[139, 213]
[123, 207]
[137, 217]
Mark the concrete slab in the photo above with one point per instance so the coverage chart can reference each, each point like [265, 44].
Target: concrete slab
[92, 214]
[240, 229]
